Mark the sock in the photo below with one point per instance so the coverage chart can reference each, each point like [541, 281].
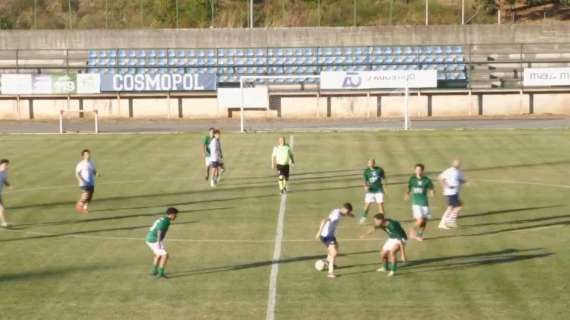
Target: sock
[161, 271]
[452, 217]
[155, 270]
[394, 266]
[420, 233]
[331, 266]
[386, 265]
[365, 213]
[281, 184]
[444, 217]
[284, 184]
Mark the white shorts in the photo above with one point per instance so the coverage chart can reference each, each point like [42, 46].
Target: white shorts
[421, 212]
[207, 161]
[374, 197]
[392, 244]
[157, 248]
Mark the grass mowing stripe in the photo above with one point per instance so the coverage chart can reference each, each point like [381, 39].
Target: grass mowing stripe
[271, 300]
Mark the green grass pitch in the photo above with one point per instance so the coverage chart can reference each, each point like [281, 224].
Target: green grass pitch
[509, 260]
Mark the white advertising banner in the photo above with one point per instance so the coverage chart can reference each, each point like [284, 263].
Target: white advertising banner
[257, 97]
[546, 77]
[88, 83]
[389, 79]
[16, 83]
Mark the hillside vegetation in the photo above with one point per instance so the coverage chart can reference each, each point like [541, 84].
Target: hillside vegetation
[59, 14]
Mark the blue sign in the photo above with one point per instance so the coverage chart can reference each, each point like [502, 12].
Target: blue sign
[158, 82]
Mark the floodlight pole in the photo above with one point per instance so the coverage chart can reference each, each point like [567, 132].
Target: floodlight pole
[462, 12]
[427, 12]
[251, 14]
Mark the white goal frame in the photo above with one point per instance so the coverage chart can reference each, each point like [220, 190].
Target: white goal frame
[94, 112]
[244, 79]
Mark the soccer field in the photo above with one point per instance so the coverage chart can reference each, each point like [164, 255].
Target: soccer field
[508, 260]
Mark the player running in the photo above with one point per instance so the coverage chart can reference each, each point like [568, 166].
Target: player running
[4, 163]
[155, 240]
[85, 173]
[281, 158]
[206, 151]
[326, 234]
[216, 158]
[452, 179]
[396, 243]
[418, 187]
[374, 177]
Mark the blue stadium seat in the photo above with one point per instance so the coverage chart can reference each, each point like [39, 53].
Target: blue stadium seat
[377, 59]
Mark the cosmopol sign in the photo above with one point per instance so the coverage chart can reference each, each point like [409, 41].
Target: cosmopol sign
[158, 82]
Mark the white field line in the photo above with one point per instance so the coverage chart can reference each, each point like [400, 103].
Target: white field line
[272, 295]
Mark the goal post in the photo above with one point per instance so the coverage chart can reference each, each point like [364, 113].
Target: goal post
[76, 115]
[253, 79]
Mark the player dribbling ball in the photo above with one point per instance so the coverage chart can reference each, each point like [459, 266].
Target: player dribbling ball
[327, 234]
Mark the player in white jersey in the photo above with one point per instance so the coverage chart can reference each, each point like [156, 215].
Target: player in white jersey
[85, 173]
[452, 179]
[327, 234]
[216, 158]
[4, 163]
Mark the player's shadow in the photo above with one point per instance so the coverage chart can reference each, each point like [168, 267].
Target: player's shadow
[512, 229]
[257, 264]
[503, 211]
[460, 261]
[514, 222]
[49, 273]
[79, 234]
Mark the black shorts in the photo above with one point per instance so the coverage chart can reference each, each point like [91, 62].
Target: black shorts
[87, 193]
[215, 164]
[283, 170]
[454, 200]
[329, 241]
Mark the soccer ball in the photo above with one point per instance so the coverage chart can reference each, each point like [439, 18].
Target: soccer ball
[320, 265]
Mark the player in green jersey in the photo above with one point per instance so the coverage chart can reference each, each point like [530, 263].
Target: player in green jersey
[374, 177]
[418, 188]
[396, 242]
[206, 151]
[155, 240]
[281, 159]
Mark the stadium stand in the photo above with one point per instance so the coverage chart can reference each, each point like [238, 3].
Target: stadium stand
[477, 66]
[230, 64]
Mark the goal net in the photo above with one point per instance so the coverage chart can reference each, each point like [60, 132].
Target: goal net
[397, 108]
[78, 121]
[255, 91]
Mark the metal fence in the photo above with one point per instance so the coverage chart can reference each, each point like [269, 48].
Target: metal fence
[73, 14]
